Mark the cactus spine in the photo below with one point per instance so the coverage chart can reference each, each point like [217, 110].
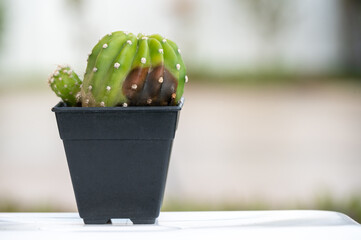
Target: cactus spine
[124, 69]
[66, 84]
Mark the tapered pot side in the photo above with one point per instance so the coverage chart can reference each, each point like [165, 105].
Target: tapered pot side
[118, 159]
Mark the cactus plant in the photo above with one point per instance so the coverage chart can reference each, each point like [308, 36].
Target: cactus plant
[66, 84]
[110, 149]
[124, 69]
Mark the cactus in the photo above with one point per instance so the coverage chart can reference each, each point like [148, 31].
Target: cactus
[124, 69]
[66, 84]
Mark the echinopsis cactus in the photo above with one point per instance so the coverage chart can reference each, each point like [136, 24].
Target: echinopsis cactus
[128, 70]
[66, 84]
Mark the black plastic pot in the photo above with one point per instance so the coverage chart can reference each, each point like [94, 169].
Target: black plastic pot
[118, 159]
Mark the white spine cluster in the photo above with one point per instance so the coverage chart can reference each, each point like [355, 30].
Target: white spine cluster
[116, 65]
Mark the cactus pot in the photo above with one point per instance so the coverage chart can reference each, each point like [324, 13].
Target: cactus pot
[118, 159]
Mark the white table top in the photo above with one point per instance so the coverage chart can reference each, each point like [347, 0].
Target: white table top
[298, 224]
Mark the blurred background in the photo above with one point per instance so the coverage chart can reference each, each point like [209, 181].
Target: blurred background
[272, 116]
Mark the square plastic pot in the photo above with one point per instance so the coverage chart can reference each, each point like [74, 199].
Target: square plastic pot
[118, 159]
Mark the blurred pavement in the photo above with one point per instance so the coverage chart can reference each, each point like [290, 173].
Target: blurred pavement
[234, 144]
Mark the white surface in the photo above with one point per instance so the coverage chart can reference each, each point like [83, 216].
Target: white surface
[186, 225]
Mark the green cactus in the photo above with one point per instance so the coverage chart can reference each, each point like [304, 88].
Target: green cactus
[124, 69]
[66, 84]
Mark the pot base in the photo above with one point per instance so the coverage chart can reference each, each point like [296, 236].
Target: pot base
[143, 220]
[96, 221]
[109, 221]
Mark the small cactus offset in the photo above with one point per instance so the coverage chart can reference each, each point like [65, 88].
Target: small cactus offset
[66, 84]
[128, 70]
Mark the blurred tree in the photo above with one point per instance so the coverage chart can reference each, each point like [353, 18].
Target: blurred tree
[184, 14]
[351, 35]
[2, 21]
[272, 16]
[271, 19]
[79, 29]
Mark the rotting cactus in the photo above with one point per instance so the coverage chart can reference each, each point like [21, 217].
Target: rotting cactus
[128, 70]
[124, 69]
[66, 84]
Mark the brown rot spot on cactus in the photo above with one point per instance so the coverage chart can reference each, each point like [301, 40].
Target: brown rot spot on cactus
[135, 78]
[151, 87]
[154, 86]
[169, 86]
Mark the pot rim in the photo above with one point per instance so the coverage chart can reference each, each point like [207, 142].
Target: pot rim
[61, 107]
